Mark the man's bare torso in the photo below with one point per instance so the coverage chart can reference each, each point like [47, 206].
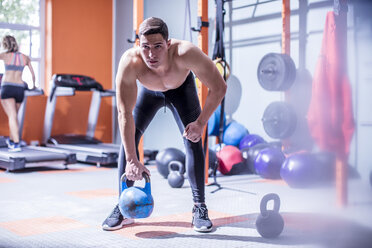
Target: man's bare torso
[171, 76]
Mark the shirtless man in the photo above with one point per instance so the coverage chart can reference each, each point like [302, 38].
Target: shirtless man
[163, 67]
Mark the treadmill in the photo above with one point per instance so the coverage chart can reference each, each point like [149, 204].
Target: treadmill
[31, 156]
[87, 148]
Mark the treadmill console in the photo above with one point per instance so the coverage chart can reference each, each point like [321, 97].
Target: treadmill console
[78, 82]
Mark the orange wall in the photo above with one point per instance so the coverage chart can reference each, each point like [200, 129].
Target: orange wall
[34, 119]
[3, 123]
[81, 43]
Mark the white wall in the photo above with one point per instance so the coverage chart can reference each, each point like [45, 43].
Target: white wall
[361, 76]
[244, 60]
[163, 131]
[122, 30]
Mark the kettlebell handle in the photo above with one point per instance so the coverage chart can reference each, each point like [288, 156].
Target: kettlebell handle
[147, 187]
[266, 199]
[177, 164]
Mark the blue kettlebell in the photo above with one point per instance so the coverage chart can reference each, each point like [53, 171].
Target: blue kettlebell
[136, 202]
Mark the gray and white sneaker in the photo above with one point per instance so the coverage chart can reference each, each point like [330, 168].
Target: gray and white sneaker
[115, 220]
[200, 219]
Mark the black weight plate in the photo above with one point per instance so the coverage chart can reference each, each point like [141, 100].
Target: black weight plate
[271, 71]
[279, 120]
[290, 72]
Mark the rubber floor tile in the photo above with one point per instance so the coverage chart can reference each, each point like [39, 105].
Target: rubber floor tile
[172, 224]
[74, 170]
[7, 180]
[35, 226]
[277, 182]
[90, 194]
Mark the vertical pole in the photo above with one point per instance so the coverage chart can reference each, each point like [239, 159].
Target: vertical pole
[137, 16]
[302, 33]
[286, 22]
[341, 181]
[48, 44]
[137, 20]
[286, 44]
[203, 34]
[202, 89]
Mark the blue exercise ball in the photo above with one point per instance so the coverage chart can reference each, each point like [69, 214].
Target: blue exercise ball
[214, 122]
[250, 140]
[269, 162]
[234, 133]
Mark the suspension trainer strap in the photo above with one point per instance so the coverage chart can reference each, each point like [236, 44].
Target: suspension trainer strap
[219, 52]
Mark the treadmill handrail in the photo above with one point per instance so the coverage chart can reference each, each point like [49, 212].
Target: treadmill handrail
[22, 109]
[107, 93]
[51, 149]
[77, 148]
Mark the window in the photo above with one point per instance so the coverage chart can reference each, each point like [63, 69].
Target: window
[24, 19]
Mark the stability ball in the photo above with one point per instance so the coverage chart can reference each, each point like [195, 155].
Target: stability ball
[233, 95]
[230, 160]
[214, 122]
[212, 161]
[245, 155]
[305, 169]
[269, 162]
[164, 157]
[233, 134]
[250, 140]
[250, 154]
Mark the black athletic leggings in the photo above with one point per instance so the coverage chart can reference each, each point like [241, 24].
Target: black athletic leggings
[184, 104]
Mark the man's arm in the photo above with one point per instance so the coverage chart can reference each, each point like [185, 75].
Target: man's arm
[126, 95]
[204, 68]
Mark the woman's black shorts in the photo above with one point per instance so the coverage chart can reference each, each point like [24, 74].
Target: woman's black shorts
[13, 90]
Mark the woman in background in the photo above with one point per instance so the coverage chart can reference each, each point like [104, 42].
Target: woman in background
[12, 87]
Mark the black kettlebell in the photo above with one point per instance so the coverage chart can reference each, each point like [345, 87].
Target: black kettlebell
[175, 177]
[270, 223]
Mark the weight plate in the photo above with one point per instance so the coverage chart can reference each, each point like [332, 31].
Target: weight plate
[276, 72]
[279, 120]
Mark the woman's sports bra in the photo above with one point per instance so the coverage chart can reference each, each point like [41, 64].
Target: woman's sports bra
[17, 63]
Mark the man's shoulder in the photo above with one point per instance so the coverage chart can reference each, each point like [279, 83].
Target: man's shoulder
[131, 53]
[131, 56]
[182, 47]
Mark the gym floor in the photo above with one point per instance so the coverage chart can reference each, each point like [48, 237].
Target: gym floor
[53, 207]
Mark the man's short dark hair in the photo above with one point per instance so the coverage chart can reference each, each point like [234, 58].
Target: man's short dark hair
[153, 25]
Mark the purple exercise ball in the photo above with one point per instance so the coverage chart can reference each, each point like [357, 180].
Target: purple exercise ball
[268, 162]
[250, 140]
